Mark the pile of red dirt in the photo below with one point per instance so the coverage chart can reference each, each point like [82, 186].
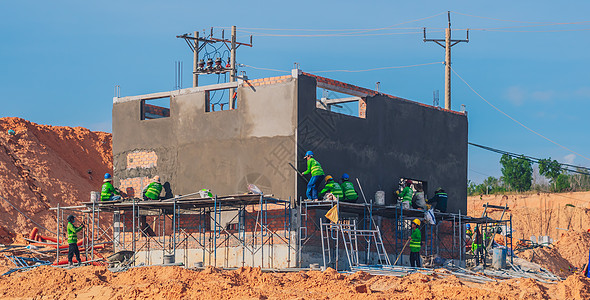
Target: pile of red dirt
[41, 166]
[251, 283]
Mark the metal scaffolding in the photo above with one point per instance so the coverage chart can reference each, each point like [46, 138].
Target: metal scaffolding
[175, 226]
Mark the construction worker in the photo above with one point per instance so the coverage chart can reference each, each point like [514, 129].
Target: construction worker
[73, 240]
[406, 194]
[317, 174]
[418, 198]
[153, 189]
[468, 237]
[350, 194]
[477, 246]
[108, 191]
[439, 200]
[332, 187]
[415, 244]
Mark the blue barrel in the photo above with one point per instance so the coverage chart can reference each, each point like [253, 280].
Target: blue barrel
[499, 258]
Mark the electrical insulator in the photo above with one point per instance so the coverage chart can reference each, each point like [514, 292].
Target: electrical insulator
[201, 65]
[218, 66]
[209, 65]
[228, 65]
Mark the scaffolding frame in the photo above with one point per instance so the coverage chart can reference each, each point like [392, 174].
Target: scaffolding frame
[130, 230]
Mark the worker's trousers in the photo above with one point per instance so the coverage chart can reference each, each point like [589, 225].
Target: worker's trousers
[73, 249]
[415, 259]
[312, 187]
[479, 256]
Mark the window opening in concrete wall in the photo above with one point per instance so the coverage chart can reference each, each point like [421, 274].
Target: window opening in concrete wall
[155, 108]
[337, 102]
[416, 184]
[218, 100]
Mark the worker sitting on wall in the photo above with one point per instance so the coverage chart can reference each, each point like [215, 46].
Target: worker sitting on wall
[332, 190]
[406, 194]
[418, 200]
[108, 191]
[152, 191]
[439, 200]
[350, 194]
[415, 244]
[317, 174]
[73, 240]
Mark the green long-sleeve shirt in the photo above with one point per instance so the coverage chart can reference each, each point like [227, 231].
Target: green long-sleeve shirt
[415, 242]
[334, 188]
[314, 168]
[407, 194]
[72, 233]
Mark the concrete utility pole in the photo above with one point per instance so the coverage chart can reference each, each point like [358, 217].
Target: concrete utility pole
[448, 44]
[195, 59]
[232, 71]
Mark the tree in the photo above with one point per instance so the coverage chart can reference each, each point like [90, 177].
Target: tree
[517, 172]
[550, 169]
[562, 183]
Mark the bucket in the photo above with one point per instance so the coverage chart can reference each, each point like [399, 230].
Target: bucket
[94, 196]
[168, 259]
[380, 198]
[199, 264]
[499, 258]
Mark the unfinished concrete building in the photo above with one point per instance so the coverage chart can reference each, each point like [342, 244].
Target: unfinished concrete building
[193, 142]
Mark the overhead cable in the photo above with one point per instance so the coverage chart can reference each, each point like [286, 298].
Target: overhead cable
[513, 119]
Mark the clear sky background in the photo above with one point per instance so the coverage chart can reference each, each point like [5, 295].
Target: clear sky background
[60, 60]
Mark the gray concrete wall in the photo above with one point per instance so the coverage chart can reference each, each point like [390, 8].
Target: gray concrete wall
[221, 150]
[397, 139]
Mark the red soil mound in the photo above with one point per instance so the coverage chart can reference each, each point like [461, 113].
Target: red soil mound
[41, 166]
[251, 283]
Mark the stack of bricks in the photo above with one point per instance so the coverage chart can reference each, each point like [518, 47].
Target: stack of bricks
[156, 110]
[265, 81]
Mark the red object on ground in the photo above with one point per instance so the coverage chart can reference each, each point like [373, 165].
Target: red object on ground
[48, 238]
[33, 235]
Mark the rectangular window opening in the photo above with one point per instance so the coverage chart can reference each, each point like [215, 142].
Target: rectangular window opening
[340, 103]
[155, 108]
[219, 100]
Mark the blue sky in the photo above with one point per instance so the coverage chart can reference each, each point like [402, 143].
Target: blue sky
[60, 60]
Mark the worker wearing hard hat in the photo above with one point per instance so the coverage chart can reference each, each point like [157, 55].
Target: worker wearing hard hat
[108, 191]
[73, 240]
[333, 188]
[415, 244]
[350, 194]
[317, 174]
[406, 194]
[477, 246]
[153, 189]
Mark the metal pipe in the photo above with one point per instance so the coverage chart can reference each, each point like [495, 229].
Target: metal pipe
[215, 231]
[57, 250]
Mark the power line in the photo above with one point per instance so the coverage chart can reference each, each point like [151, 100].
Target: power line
[513, 119]
[533, 159]
[383, 68]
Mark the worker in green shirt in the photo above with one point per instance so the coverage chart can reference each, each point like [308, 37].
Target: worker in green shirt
[477, 246]
[73, 240]
[152, 191]
[350, 194]
[415, 244]
[317, 174]
[108, 191]
[406, 194]
[332, 187]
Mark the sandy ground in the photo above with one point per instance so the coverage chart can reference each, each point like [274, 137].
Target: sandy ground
[42, 166]
[251, 283]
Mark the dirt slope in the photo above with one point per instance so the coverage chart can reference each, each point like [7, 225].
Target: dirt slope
[42, 166]
[251, 283]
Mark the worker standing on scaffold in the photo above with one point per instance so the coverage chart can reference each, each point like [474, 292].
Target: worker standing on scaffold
[317, 174]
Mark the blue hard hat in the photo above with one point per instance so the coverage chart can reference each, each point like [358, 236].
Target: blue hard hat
[107, 176]
[308, 153]
[345, 176]
[468, 226]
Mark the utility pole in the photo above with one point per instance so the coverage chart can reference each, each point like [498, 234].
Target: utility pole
[448, 43]
[232, 71]
[197, 43]
[195, 59]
